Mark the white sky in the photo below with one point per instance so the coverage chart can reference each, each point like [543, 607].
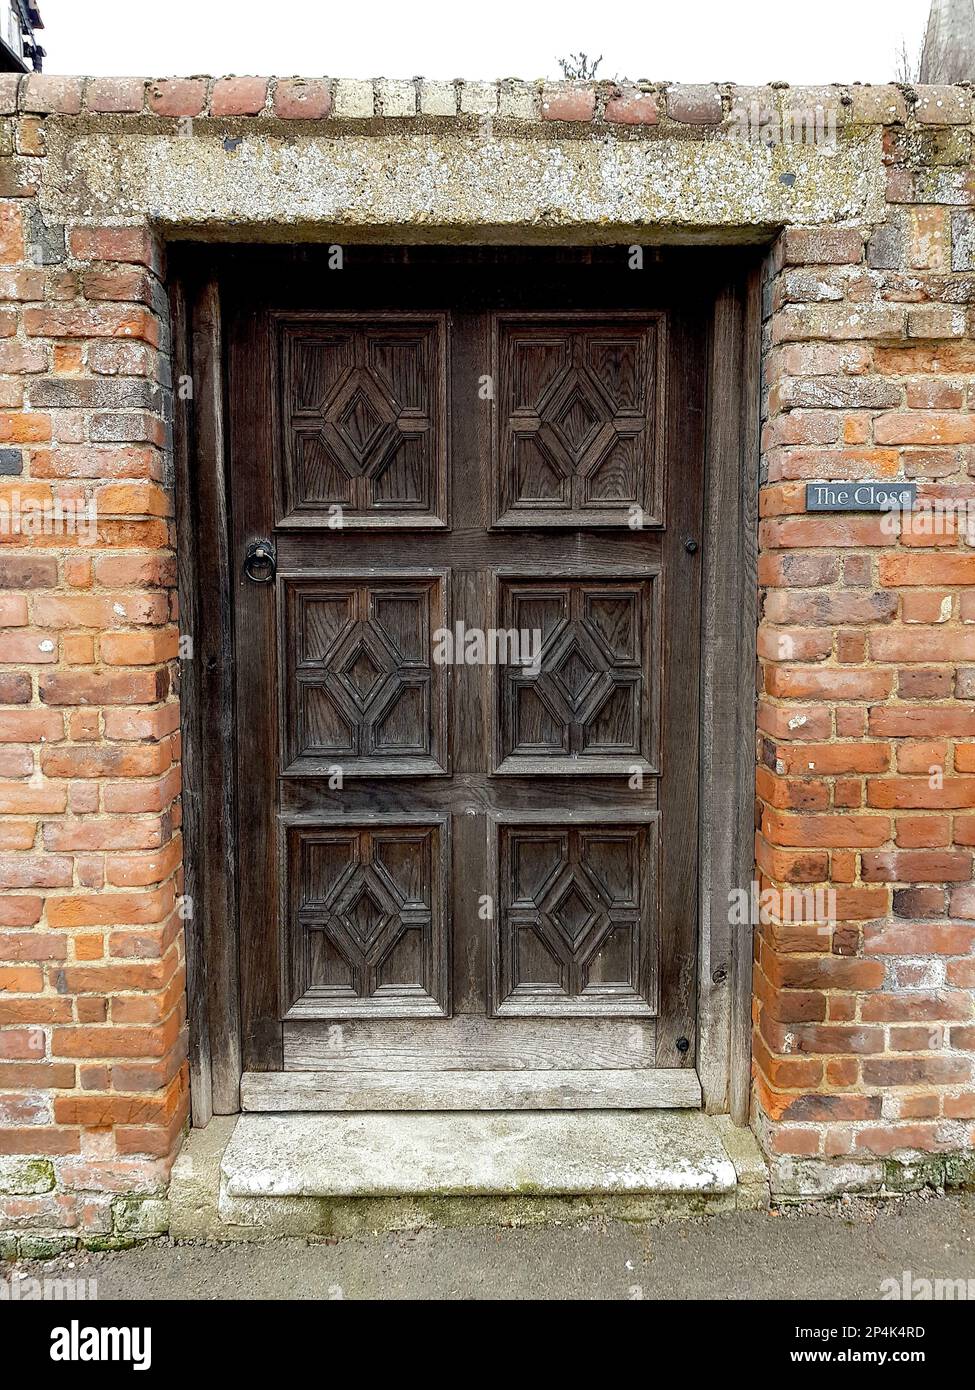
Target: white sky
[675, 40]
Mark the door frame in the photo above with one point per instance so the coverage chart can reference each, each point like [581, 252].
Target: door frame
[728, 659]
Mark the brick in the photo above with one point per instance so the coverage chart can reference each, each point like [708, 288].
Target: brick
[137, 648]
[822, 246]
[830, 609]
[943, 105]
[897, 1138]
[808, 531]
[129, 688]
[935, 321]
[20, 910]
[99, 760]
[34, 1011]
[118, 284]
[98, 462]
[916, 866]
[238, 96]
[20, 833]
[918, 793]
[353, 99]
[119, 359]
[40, 1140]
[59, 95]
[826, 831]
[108, 1041]
[118, 833]
[827, 684]
[301, 99]
[906, 570]
[694, 105]
[632, 108]
[568, 104]
[156, 1142]
[127, 244]
[913, 1008]
[825, 1039]
[519, 100]
[396, 98]
[122, 95]
[133, 499]
[923, 644]
[94, 322]
[114, 608]
[478, 98]
[438, 98]
[916, 1071]
[36, 1075]
[98, 1112]
[880, 105]
[925, 428]
[919, 902]
[922, 832]
[178, 96]
[123, 427]
[11, 234]
[25, 427]
[109, 909]
[828, 759]
[838, 323]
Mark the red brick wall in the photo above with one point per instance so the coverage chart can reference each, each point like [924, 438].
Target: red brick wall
[92, 1033]
[864, 1035]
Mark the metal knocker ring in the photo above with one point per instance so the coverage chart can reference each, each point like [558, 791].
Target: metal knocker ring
[260, 564]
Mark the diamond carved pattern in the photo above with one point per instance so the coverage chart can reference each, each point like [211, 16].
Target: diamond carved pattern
[367, 902]
[577, 925]
[576, 418]
[363, 406]
[358, 422]
[363, 692]
[589, 705]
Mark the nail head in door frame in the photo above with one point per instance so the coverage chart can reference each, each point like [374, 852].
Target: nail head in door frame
[729, 624]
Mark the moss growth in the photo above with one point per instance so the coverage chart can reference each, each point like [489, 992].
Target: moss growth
[26, 1177]
[140, 1216]
[98, 1243]
[45, 1247]
[911, 1175]
[960, 1172]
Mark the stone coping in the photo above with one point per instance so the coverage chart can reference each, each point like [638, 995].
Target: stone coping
[604, 104]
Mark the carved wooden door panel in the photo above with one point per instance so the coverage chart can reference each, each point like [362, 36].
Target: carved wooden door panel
[466, 507]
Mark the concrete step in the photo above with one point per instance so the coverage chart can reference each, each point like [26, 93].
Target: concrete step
[475, 1154]
[306, 1174]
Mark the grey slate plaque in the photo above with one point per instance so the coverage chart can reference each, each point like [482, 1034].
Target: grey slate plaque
[860, 497]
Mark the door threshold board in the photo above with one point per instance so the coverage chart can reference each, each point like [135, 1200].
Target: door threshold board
[676, 1088]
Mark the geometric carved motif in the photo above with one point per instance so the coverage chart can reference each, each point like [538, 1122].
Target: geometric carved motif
[362, 690]
[576, 414]
[576, 918]
[588, 698]
[363, 409]
[369, 919]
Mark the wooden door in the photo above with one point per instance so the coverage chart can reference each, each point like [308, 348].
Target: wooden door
[466, 497]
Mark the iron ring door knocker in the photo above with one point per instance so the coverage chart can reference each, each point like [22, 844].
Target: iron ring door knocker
[260, 562]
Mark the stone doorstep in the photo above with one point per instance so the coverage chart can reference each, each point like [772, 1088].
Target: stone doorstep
[258, 1176]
